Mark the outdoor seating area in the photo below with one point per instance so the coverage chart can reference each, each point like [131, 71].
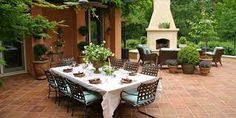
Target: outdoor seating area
[117, 59]
[182, 96]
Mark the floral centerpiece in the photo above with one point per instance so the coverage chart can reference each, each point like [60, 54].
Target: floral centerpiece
[97, 55]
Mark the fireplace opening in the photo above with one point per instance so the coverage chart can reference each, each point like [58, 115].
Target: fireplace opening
[162, 43]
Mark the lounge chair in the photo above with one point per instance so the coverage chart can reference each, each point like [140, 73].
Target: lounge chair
[216, 55]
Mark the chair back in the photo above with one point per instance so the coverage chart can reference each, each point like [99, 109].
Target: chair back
[147, 93]
[151, 70]
[140, 51]
[61, 83]
[50, 77]
[218, 54]
[165, 54]
[76, 91]
[117, 63]
[131, 66]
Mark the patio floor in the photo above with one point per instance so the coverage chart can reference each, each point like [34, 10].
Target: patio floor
[183, 96]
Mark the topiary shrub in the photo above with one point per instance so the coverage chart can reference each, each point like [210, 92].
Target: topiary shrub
[83, 30]
[188, 55]
[182, 40]
[39, 51]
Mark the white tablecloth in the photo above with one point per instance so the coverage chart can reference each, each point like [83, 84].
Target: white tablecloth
[110, 87]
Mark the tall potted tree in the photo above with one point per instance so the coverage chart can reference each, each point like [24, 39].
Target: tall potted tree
[188, 58]
[40, 28]
[40, 62]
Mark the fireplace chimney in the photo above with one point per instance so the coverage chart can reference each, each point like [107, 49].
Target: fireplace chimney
[161, 15]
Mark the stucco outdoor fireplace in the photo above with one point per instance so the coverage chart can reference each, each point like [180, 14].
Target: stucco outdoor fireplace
[159, 37]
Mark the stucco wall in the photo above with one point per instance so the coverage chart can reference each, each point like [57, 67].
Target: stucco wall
[75, 19]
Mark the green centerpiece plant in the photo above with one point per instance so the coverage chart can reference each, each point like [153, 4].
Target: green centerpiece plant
[97, 55]
[188, 58]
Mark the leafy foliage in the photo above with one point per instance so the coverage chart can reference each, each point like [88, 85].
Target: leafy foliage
[182, 40]
[228, 46]
[203, 29]
[188, 55]
[136, 16]
[40, 27]
[226, 17]
[95, 52]
[15, 17]
[132, 43]
[39, 51]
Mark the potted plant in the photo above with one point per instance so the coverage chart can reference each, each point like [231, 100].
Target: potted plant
[59, 43]
[182, 42]
[188, 58]
[164, 25]
[81, 48]
[172, 65]
[97, 55]
[41, 63]
[83, 30]
[205, 67]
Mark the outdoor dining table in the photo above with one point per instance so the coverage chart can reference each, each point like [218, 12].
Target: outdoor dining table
[110, 87]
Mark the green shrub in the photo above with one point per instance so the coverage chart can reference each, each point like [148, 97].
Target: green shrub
[228, 46]
[39, 51]
[182, 40]
[132, 43]
[188, 55]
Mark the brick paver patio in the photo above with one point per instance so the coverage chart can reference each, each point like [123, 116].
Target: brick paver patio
[183, 96]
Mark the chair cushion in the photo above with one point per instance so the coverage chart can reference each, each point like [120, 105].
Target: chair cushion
[146, 50]
[132, 98]
[90, 97]
[216, 48]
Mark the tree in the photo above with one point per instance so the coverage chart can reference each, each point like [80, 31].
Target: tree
[203, 29]
[137, 15]
[226, 17]
[15, 17]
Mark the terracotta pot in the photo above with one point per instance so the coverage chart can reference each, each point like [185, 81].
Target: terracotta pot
[188, 68]
[39, 68]
[172, 69]
[204, 71]
[97, 65]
